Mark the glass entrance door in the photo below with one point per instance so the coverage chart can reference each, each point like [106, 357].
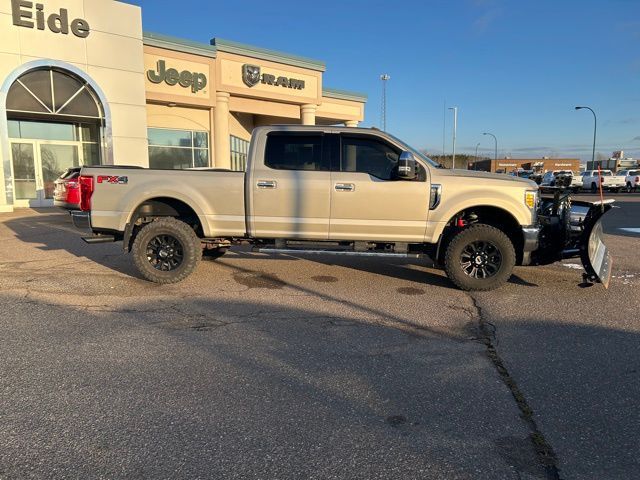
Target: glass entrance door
[36, 165]
[25, 182]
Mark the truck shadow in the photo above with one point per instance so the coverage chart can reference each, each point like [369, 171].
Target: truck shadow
[307, 391]
[54, 231]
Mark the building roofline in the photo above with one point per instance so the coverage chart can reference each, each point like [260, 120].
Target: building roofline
[178, 44]
[229, 46]
[344, 94]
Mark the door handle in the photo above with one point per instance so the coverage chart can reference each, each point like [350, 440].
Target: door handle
[345, 187]
[266, 184]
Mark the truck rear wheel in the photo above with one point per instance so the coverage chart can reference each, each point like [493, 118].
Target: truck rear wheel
[166, 250]
[480, 257]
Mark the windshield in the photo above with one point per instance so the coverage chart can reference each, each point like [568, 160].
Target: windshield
[415, 152]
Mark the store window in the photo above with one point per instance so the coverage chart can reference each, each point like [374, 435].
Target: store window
[177, 149]
[239, 151]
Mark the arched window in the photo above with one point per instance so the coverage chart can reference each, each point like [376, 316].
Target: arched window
[55, 94]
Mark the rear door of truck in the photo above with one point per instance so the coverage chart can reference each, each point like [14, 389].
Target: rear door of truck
[289, 187]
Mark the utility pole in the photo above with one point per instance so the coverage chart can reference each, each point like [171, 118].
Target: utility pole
[383, 116]
[455, 127]
[475, 164]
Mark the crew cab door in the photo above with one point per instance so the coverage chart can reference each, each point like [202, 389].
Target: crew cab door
[290, 188]
[368, 200]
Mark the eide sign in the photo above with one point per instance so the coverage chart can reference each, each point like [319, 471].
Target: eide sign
[197, 81]
[22, 12]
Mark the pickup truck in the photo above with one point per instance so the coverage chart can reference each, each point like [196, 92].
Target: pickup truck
[341, 191]
[631, 179]
[591, 180]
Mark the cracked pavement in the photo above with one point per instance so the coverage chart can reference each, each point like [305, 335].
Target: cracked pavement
[261, 366]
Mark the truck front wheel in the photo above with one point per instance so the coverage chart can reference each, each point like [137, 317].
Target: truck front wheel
[480, 257]
[166, 250]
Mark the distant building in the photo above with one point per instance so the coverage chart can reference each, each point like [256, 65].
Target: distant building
[616, 162]
[541, 165]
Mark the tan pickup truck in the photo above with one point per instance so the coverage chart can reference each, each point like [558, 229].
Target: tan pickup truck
[340, 191]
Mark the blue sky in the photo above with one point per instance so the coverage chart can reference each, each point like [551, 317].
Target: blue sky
[513, 68]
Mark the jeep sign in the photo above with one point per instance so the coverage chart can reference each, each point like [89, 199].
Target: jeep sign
[197, 81]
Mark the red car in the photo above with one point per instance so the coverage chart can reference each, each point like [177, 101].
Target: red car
[66, 193]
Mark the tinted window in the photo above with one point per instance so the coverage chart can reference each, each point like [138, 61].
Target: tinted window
[295, 152]
[369, 155]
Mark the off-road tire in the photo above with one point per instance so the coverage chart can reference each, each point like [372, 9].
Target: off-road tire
[479, 233]
[176, 229]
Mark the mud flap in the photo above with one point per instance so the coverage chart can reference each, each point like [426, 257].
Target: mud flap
[594, 254]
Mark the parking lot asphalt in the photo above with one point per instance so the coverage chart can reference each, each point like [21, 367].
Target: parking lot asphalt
[274, 366]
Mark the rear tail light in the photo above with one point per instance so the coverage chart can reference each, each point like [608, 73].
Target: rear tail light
[86, 190]
[637, 179]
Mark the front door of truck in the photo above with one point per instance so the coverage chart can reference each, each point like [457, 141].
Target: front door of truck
[290, 189]
[368, 201]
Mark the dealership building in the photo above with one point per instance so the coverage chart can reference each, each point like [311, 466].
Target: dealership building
[541, 165]
[81, 84]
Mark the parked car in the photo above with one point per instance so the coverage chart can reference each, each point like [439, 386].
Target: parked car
[339, 191]
[591, 180]
[66, 192]
[561, 179]
[631, 179]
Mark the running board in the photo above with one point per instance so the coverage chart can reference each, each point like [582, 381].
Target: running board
[293, 251]
[99, 239]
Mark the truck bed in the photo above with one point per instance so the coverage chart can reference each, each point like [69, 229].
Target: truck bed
[216, 196]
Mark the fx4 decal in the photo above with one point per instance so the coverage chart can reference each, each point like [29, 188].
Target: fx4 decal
[113, 179]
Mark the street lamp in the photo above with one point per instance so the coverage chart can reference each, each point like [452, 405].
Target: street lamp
[475, 166]
[595, 125]
[455, 127]
[495, 155]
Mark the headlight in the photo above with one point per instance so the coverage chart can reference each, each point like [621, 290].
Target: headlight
[531, 199]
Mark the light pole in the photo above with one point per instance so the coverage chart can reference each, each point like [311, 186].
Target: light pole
[495, 155]
[384, 77]
[455, 127]
[595, 125]
[475, 164]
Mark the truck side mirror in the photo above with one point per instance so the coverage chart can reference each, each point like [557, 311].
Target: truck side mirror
[407, 166]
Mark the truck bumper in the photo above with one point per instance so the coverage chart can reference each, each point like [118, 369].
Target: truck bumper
[531, 237]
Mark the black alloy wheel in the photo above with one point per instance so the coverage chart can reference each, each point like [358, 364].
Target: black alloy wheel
[165, 253]
[480, 259]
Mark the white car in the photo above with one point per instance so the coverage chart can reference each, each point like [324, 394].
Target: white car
[631, 179]
[591, 180]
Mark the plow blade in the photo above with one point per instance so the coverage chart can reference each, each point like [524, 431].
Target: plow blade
[594, 254]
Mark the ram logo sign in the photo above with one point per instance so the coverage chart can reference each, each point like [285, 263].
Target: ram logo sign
[251, 76]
